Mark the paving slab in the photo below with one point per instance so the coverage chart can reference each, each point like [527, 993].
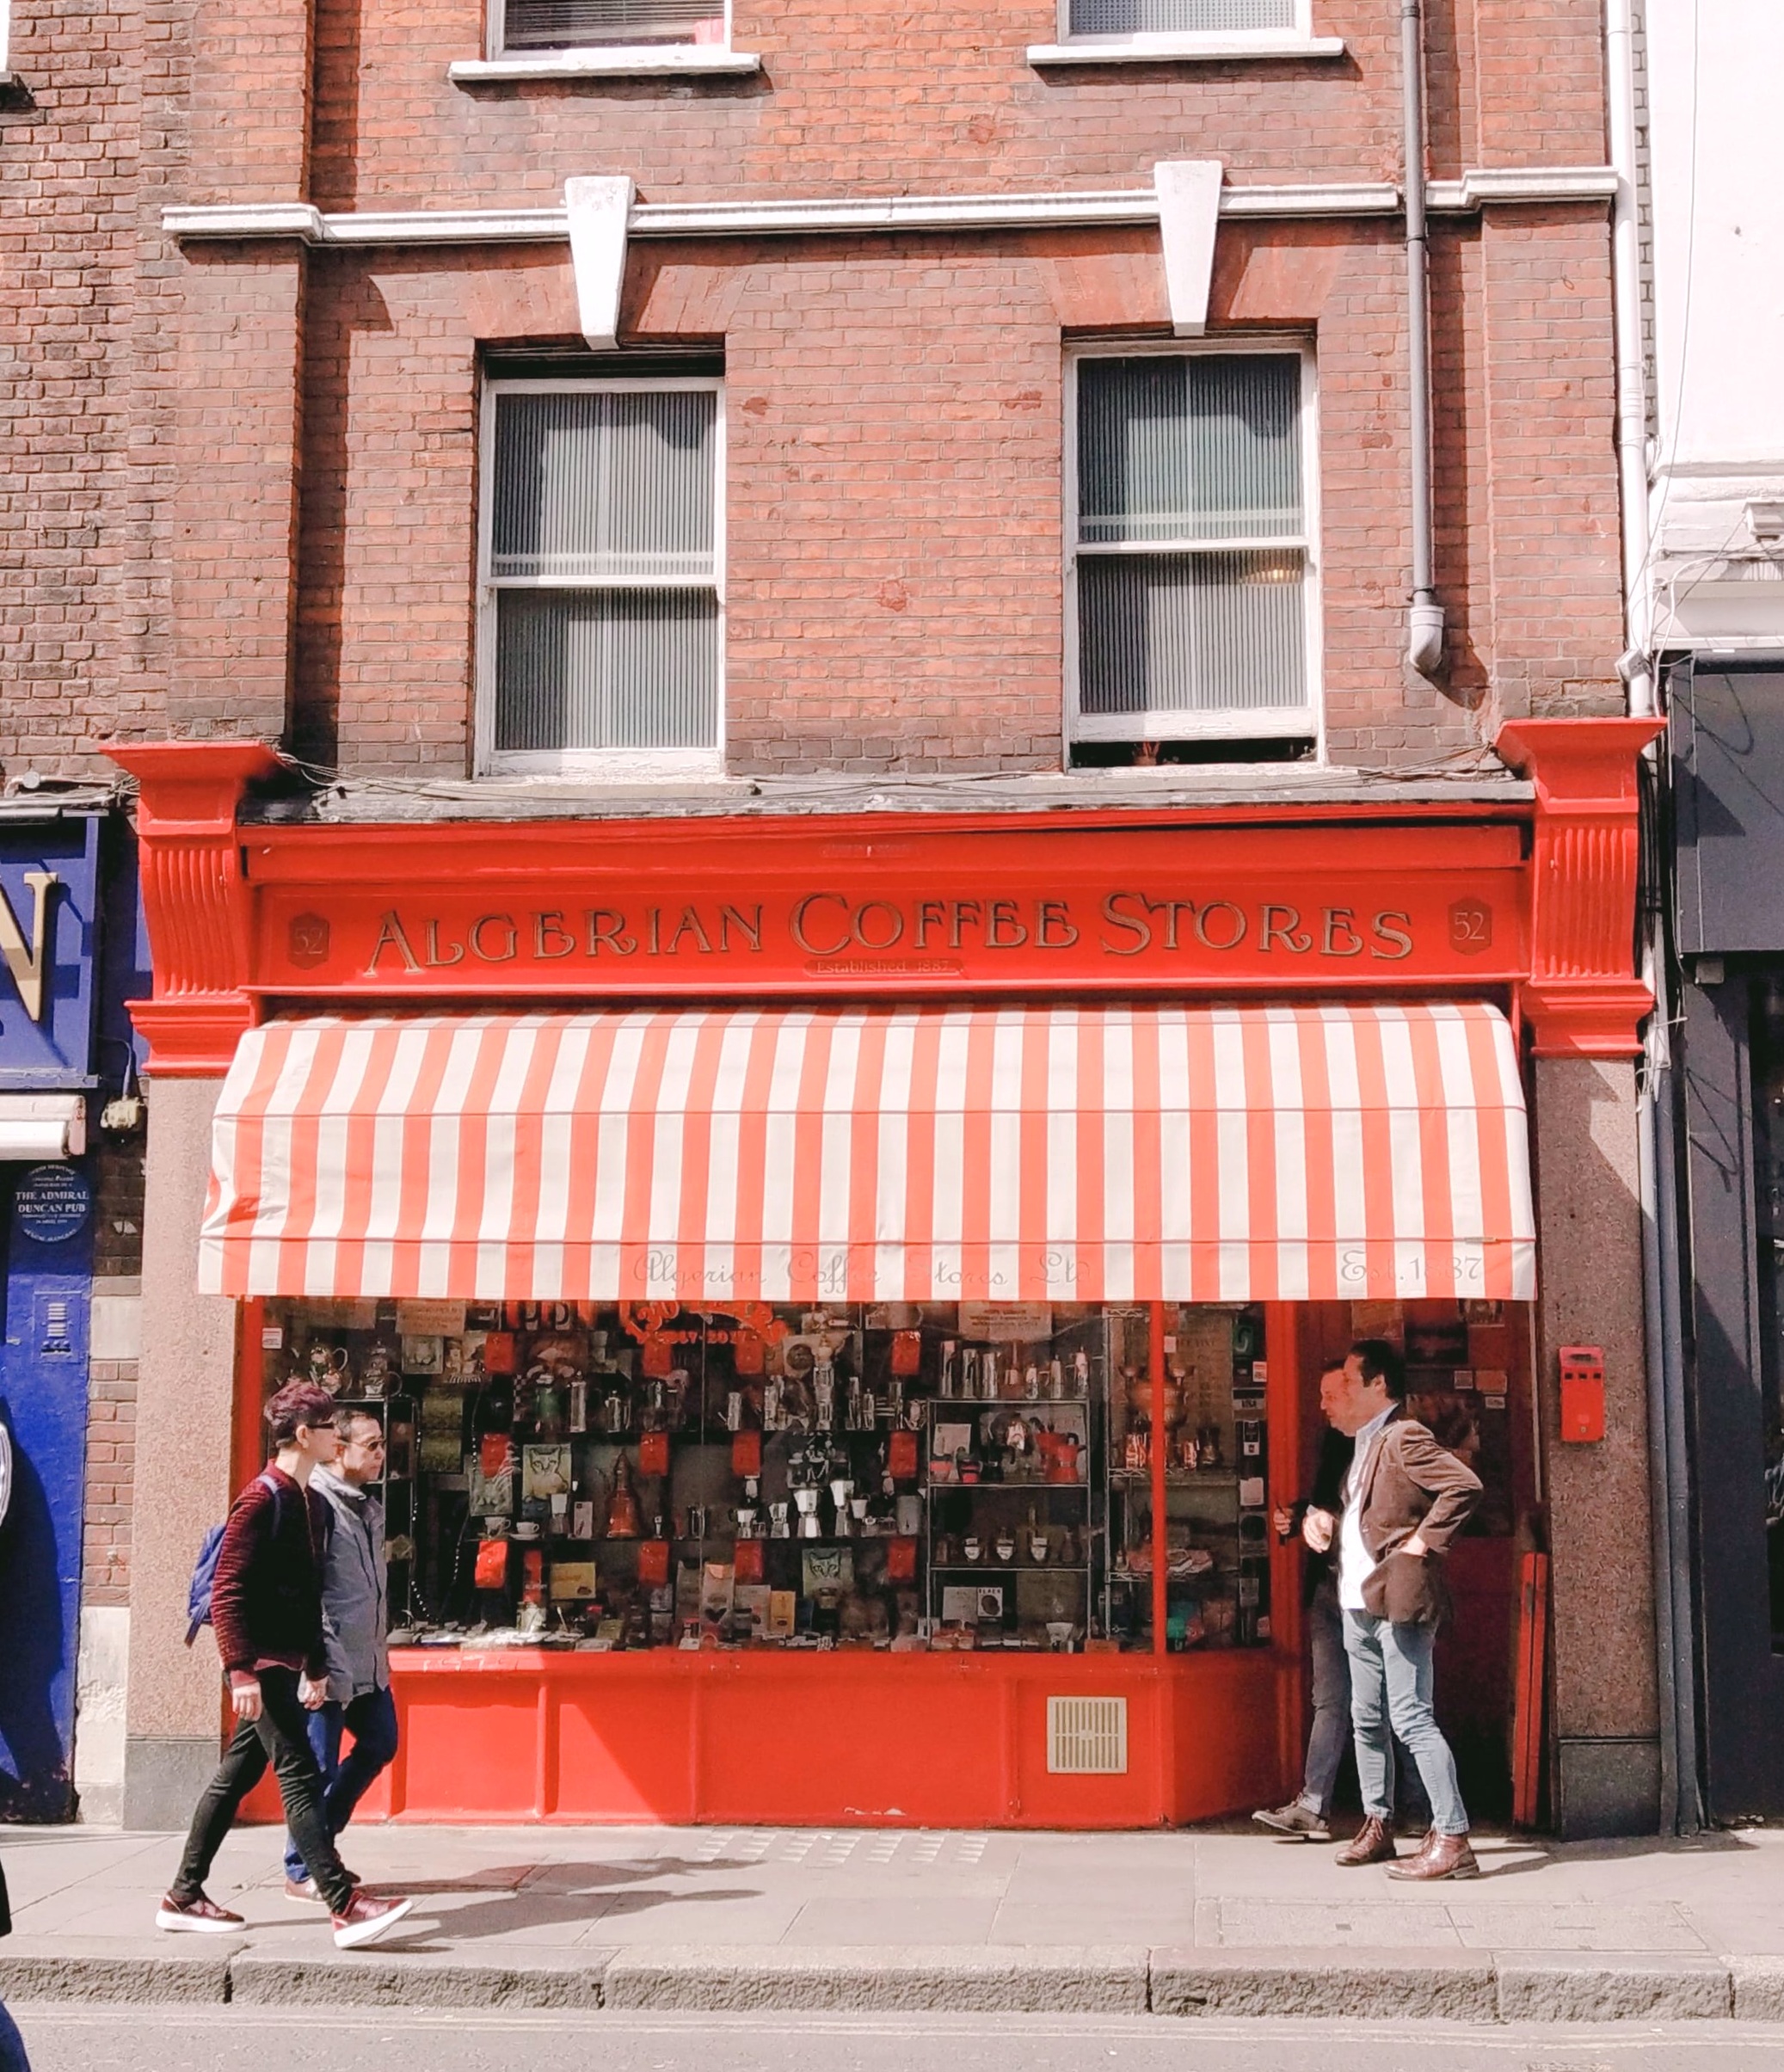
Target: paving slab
[882, 1923]
[1450, 1985]
[1032, 1981]
[1602, 1986]
[1350, 1922]
[1576, 1925]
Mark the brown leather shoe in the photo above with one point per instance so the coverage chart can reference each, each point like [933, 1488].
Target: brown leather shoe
[1443, 1856]
[1373, 1843]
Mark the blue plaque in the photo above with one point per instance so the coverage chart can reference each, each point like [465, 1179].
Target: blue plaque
[51, 1203]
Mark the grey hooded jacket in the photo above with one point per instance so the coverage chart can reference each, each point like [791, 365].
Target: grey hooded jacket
[354, 1599]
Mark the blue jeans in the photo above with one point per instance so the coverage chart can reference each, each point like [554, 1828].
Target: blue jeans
[1390, 1701]
[12, 2046]
[371, 1718]
[1331, 1734]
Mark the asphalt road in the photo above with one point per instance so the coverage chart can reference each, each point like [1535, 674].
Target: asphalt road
[66, 2039]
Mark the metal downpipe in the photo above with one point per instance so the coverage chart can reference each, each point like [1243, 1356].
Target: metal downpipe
[1425, 620]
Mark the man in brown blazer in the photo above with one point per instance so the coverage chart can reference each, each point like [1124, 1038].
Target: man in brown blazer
[1405, 1499]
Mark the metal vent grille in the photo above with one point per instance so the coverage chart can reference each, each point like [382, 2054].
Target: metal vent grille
[1087, 1736]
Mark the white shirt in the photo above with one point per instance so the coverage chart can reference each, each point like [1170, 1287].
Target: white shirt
[1354, 1563]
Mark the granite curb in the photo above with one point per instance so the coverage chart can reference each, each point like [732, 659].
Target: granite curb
[988, 1979]
[1457, 1985]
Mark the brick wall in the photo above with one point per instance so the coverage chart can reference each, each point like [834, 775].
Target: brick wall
[245, 500]
[894, 447]
[111, 1458]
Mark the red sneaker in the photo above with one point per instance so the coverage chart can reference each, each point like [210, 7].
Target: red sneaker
[367, 1918]
[199, 1916]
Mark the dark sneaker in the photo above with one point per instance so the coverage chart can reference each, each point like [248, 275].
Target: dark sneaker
[305, 1890]
[1294, 1819]
[199, 1916]
[367, 1918]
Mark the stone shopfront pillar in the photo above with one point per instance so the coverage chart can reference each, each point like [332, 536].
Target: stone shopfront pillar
[1584, 1006]
[192, 876]
[185, 1408]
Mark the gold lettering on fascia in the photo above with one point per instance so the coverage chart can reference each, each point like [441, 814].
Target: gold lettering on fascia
[832, 924]
[25, 958]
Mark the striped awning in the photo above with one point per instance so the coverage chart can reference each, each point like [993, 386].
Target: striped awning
[1107, 1153]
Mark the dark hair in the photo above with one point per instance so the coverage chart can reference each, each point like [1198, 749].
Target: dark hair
[299, 1403]
[345, 1420]
[1382, 1362]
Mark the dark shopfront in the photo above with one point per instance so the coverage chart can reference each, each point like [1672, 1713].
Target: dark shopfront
[1728, 761]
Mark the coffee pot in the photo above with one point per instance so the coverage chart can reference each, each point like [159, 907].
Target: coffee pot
[841, 1488]
[624, 1521]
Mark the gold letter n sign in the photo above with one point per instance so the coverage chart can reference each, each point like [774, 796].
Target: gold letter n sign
[26, 961]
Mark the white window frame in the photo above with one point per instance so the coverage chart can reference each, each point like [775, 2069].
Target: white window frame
[685, 55]
[1210, 45]
[1268, 722]
[589, 765]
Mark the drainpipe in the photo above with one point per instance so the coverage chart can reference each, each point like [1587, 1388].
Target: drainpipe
[1636, 665]
[1424, 621]
[1681, 1804]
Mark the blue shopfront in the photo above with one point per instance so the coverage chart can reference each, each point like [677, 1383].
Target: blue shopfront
[67, 896]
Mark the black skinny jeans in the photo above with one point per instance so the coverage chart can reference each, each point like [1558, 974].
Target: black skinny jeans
[280, 1736]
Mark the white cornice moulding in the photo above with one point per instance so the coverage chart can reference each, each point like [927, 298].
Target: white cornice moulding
[1186, 50]
[861, 213]
[761, 218]
[1525, 183]
[645, 62]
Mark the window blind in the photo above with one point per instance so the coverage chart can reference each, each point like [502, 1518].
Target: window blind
[1178, 17]
[567, 24]
[602, 555]
[1189, 470]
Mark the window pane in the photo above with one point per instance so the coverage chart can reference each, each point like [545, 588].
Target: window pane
[1188, 446]
[558, 24]
[1191, 632]
[1177, 17]
[599, 486]
[606, 669]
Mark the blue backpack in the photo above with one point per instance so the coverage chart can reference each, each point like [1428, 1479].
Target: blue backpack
[204, 1573]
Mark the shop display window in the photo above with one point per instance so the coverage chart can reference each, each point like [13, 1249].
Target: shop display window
[918, 1476]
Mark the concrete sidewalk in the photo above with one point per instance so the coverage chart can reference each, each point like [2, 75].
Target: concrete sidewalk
[1203, 1922]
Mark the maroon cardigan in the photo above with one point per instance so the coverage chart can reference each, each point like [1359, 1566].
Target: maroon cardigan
[266, 1597]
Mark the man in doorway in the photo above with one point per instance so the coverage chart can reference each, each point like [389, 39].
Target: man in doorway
[266, 1605]
[354, 1615]
[1308, 1814]
[1403, 1501]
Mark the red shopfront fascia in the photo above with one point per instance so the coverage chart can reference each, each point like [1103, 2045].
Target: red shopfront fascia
[1527, 904]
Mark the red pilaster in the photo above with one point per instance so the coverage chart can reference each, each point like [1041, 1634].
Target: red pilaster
[196, 898]
[1583, 997]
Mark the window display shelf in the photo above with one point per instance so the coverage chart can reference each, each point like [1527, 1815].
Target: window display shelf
[538, 1448]
[1181, 1477]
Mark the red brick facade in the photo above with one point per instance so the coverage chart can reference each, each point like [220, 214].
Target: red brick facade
[251, 506]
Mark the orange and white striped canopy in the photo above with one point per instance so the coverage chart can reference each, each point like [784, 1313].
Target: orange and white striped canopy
[1105, 1153]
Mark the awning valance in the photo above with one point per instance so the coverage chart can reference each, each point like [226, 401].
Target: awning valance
[1106, 1153]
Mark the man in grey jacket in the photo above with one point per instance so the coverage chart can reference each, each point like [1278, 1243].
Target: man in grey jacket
[354, 1623]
